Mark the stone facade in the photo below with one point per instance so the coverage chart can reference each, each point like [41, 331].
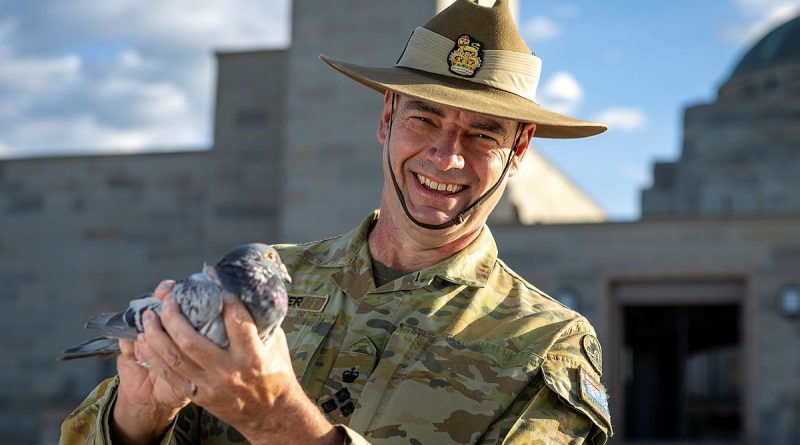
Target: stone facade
[671, 257]
[740, 154]
[84, 235]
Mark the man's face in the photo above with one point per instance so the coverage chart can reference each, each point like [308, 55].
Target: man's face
[445, 159]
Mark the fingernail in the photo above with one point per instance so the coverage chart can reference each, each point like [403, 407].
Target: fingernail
[148, 317]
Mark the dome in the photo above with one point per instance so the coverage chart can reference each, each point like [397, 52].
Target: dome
[780, 46]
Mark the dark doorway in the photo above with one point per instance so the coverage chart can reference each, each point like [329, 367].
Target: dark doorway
[683, 373]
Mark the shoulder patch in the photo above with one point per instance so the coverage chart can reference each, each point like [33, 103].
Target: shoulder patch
[308, 303]
[593, 394]
[591, 347]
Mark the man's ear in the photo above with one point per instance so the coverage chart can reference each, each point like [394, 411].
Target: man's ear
[522, 148]
[386, 113]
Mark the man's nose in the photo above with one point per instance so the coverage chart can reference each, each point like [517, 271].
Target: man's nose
[446, 152]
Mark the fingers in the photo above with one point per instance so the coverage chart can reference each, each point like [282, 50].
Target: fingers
[180, 384]
[129, 353]
[127, 348]
[239, 324]
[160, 351]
[163, 289]
[181, 334]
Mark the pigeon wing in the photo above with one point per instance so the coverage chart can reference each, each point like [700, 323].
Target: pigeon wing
[200, 300]
[126, 324]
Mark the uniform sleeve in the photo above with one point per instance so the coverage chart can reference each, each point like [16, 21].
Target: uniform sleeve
[565, 403]
[88, 424]
[549, 416]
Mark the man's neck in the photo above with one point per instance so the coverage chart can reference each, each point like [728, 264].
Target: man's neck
[394, 248]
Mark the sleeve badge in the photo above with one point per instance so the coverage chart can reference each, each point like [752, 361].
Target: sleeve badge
[594, 394]
[591, 347]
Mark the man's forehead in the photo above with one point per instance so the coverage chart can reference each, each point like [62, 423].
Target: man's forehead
[489, 123]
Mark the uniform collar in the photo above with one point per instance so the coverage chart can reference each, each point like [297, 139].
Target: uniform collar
[470, 267]
[341, 250]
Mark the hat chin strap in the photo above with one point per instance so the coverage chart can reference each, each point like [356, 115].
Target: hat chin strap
[464, 214]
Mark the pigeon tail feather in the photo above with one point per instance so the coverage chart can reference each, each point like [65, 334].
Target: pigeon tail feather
[112, 325]
[100, 346]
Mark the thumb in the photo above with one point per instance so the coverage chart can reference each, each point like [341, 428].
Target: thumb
[239, 324]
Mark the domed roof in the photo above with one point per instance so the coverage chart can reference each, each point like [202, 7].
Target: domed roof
[781, 45]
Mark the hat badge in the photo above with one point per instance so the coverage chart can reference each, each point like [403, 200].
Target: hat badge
[466, 57]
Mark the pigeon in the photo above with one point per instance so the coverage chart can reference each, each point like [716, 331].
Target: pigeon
[252, 272]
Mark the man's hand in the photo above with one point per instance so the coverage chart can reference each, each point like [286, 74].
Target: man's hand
[150, 393]
[250, 385]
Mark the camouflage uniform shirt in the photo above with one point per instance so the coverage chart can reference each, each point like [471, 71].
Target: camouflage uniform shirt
[462, 352]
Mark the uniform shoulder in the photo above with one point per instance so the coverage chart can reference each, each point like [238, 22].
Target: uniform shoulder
[572, 357]
[293, 253]
[508, 281]
[554, 330]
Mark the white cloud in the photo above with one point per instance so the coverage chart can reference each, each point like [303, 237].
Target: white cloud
[637, 172]
[120, 75]
[760, 17]
[32, 75]
[540, 28]
[623, 118]
[561, 93]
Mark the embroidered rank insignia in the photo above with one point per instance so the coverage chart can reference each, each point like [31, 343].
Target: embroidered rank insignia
[594, 394]
[350, 376]
[591, 347]
[466, 57]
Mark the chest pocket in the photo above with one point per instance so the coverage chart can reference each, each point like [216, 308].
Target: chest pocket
[436, 389]
[305, 332]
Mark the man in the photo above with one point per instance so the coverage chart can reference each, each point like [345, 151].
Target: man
[408, 329]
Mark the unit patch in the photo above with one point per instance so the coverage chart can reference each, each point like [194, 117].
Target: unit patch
[594, 394]
[310, 303]
[591, 347]
[466, 57]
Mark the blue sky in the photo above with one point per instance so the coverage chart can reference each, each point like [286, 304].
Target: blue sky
[121, 76]
[637, 66]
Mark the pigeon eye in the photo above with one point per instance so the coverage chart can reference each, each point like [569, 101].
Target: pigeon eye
[270, 256]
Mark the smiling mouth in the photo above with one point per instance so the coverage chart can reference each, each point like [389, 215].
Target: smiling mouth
[440, 187]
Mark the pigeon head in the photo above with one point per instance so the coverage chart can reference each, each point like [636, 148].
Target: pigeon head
[255, 273]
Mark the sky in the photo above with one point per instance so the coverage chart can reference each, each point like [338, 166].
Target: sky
[125, 76]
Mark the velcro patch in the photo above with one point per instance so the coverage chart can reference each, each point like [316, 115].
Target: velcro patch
[594, 394]
[309, 303]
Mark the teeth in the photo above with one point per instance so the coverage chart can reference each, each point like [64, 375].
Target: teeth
[431, 184]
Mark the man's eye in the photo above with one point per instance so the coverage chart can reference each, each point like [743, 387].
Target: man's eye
[422, 119]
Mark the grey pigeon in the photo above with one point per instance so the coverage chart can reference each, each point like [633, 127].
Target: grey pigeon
[253, 272]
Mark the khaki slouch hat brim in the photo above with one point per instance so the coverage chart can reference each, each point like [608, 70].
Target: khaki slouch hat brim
[503, 85]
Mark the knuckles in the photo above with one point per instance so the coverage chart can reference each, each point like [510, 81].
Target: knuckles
[173, 358]
[185, 342]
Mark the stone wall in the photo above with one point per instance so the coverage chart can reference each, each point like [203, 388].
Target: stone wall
[246, 166]
[333, 158]
[81, 236]
[763, 253]
[84, 235]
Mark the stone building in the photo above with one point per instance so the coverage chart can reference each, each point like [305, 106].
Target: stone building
[685, 301]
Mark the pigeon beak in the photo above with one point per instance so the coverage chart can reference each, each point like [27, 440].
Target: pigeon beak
[285, 274]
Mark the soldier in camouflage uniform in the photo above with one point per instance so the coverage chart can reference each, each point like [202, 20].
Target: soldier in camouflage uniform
[409, 329]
